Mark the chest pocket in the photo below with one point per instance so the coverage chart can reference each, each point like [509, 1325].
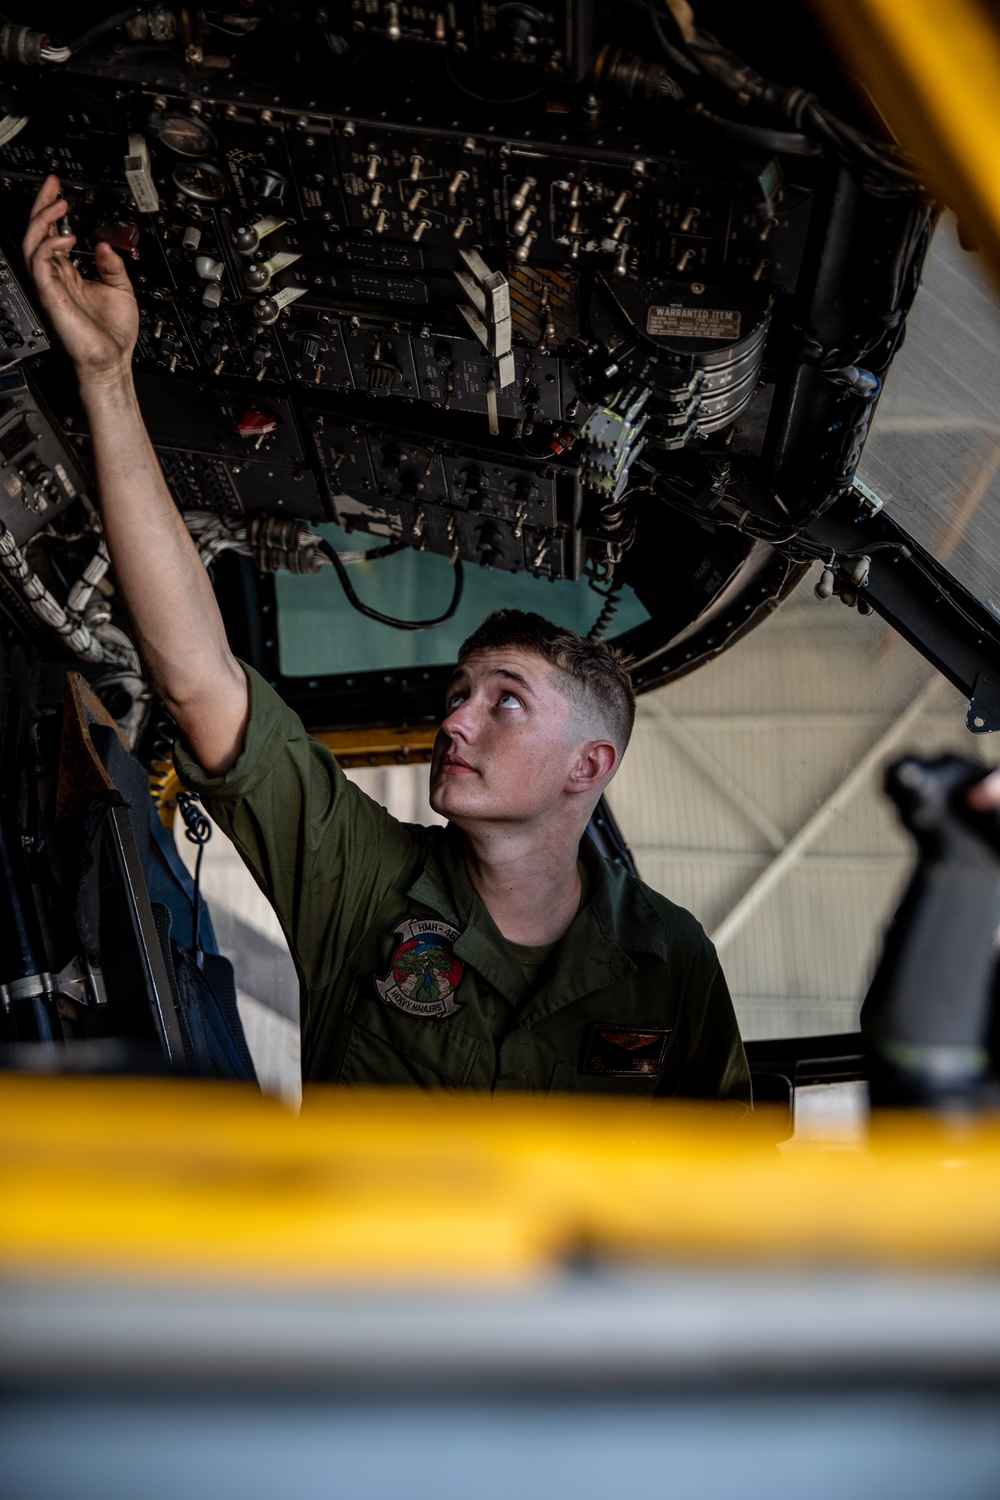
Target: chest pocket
[567, 1079]
[387, 1048]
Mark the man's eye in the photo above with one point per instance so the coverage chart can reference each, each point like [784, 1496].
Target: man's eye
[452, 703]
[509, 700]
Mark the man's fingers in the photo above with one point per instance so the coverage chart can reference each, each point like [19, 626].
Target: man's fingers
[47, 193]
[50, 250]
[40, 226]
[110, 266]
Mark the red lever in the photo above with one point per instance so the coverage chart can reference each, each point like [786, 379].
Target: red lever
[121, 237]
[256, 424]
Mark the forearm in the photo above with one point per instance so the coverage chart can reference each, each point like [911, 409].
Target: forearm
[165, 588]
[168, 596]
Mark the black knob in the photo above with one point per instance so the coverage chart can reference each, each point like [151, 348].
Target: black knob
[266, 310]
[268, 185]
[36, 472]
[246, 239]
[255, 278]
[490, 541]
[517, 23]
[382, 374]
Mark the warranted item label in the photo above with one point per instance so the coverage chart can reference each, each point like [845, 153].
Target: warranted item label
[692, 322]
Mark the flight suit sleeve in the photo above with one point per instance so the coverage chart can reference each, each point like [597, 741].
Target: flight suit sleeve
[712, 1062]
[323, 853]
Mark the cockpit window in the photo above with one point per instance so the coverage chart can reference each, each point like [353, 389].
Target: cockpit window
[319, 633]
[934, 452]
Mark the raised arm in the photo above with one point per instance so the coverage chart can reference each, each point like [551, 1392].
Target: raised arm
[167, 593]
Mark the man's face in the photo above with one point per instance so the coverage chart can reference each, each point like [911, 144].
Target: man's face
[508, 742]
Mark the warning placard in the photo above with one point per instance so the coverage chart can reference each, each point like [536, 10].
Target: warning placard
[664, 321]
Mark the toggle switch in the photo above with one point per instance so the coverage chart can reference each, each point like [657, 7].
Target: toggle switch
[208, 268]
[520, 198]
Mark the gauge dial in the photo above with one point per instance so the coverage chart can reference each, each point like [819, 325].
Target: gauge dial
[200, 180]
[186, 136]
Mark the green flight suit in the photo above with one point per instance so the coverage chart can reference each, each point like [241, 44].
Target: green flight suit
[405, 977]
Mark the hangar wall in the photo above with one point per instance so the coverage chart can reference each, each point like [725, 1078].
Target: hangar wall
[751, 794]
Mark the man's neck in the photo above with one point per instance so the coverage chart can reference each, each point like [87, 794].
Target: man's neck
[530, 886]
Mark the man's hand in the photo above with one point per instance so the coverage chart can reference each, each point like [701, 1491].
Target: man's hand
[97, 321]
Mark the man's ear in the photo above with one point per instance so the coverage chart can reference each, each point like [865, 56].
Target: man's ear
[594, 765]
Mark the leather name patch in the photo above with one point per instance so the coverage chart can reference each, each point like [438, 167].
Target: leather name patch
[611, 1051]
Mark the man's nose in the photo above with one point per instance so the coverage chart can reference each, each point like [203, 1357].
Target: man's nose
[461, 722]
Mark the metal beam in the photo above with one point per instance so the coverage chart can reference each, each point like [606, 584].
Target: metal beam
[814, 719]
[821, 819]
[751, 860]
[720, 776]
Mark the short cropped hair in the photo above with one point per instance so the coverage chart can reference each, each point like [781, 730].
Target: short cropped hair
[598, 676]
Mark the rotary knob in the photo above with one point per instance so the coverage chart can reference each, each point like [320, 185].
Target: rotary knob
[382, 374]
[490, 541]
[268, 186]
[312, 343]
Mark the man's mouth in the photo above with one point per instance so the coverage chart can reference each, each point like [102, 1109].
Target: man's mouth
[456, 763]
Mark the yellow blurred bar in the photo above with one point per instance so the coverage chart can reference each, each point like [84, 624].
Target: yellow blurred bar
[933, 69]
[121, 1178]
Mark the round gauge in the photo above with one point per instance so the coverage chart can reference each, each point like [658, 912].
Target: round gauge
[186, 136]
[200, 180]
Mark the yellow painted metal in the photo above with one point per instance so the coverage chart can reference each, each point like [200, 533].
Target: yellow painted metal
[164, 784]
[352, 747]
[379, 747]
[120, 1178]
[932, 68]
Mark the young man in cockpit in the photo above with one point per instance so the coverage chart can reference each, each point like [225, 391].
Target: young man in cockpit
[499, 952]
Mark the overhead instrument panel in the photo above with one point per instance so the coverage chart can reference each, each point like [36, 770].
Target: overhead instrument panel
[570, 295]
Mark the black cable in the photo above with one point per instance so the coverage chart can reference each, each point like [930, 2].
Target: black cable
[762, 136]
[674, 53]
[108, 24]
[373, 614]
[881, 168]
[538, 458]
[389, 550]
[198, 830]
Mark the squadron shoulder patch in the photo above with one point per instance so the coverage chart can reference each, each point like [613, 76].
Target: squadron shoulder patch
[424, 973]
[611, 1051]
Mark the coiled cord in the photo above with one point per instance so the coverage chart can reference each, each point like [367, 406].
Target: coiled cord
[198, 831]
[612, 603]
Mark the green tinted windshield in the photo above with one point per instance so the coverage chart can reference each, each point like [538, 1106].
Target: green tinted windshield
[320, 633]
